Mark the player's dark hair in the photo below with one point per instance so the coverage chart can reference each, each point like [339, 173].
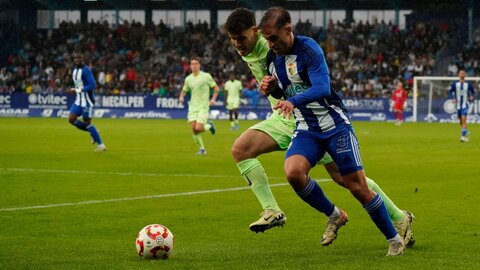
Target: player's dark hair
[240, 20]
[278, 16]
[196, 58]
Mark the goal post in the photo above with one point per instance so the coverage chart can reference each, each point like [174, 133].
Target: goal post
[431, 102]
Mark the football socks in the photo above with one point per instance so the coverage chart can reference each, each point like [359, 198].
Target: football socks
[395, 213]
[253, 172]
[314, 196]
[378, 213]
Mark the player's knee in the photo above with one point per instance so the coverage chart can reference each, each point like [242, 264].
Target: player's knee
[297, 179]
[238, 151]
[294, 174]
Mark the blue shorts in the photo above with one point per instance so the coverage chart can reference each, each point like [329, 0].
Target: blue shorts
[342, 145]
[462, 112]
[86, 112]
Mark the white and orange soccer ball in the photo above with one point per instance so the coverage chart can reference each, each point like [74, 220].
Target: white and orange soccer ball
[155, 241]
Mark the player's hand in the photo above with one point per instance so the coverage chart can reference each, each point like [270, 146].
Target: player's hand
[75, 90]
[212, 102]
[284, 107]
[181, 99]
[267, 84]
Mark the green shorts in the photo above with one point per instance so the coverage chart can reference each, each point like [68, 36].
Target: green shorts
[233, 104]
[281, 132]
[199, 115]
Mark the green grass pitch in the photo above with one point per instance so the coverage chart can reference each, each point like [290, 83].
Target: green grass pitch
[93, 204]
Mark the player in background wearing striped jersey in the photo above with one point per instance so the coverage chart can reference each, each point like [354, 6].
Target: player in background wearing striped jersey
[84, 104]
[198, 84]
[462, 92]
[275, 133]
[299, 67]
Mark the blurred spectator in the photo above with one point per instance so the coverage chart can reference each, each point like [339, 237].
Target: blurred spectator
[363, 57]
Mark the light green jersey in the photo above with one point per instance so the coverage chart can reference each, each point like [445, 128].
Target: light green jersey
[257, 59]
[233, 88]
[199, 87]
[257, 62]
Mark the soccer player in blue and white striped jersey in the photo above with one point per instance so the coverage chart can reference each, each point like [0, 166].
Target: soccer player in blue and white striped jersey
[462, 92]
[298, 66]
[84, 102]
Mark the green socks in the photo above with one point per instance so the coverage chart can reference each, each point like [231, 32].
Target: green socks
[395, 213]
[197, 138]
[254, 174]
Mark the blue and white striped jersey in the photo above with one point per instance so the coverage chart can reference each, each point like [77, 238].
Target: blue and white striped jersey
[461, 92]
[83, 79]
[304, 78]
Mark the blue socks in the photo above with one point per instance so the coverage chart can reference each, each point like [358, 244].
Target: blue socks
[464, 132]
[378, 213]
[80, 125]
[314, 196]
[94, 133]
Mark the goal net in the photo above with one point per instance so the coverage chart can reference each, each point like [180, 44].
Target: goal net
[431, 102]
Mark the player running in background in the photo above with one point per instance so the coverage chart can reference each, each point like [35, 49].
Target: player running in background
[233, 89]
[462, 92]
[275, 133]
[399, 102]
[198, 84]
[84, 84]
[298, 65]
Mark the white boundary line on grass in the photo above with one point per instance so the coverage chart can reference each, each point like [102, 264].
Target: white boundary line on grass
[120, 173]
[128, 198]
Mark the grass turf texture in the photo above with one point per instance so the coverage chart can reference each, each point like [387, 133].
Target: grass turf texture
[422, 167]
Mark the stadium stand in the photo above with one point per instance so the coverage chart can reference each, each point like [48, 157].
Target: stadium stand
[132, 58]
[364, 58]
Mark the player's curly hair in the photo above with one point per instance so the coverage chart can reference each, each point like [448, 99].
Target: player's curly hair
[240, 20]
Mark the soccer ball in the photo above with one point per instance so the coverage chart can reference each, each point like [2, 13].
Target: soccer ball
[154, 241]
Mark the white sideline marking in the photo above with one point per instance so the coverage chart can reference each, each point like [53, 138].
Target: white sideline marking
[122, 173]
[139, 198]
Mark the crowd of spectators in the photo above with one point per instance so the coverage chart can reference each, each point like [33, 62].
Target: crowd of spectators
[468, 58]
[364, 59]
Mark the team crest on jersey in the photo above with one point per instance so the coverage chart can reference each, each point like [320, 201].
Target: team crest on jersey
[342, 144]
[292, 68]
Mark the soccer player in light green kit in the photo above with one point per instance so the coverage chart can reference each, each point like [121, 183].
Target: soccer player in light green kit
[233, 88]
[274, 134]
[199, 83]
